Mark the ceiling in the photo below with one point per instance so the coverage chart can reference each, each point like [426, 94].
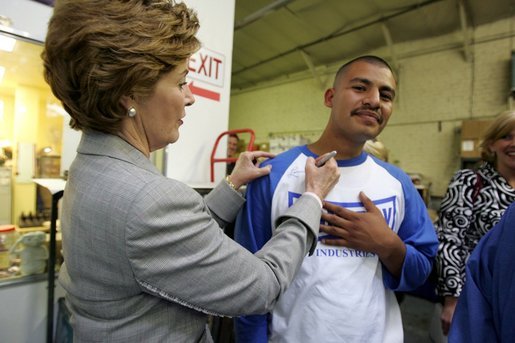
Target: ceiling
[274, 39]
[278, 39]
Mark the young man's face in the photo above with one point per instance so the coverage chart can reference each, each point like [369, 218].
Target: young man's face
[232, 146]
[361, 101]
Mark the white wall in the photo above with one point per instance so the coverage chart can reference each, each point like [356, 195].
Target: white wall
[189, 158]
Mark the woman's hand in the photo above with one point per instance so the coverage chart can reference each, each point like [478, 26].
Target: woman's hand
[320, 180]
[247, 167]
[449, 306]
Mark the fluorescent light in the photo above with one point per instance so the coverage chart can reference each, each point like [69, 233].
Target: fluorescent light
[7, 43]
[55, 110]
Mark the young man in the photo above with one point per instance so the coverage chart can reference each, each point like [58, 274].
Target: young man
[232, 151]
[344, 292]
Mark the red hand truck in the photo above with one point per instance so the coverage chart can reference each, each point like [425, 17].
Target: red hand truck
[250, 147]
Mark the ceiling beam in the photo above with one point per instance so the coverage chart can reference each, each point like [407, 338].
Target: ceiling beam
[261, 13]
[416, 7]
[389, 43]
[311, 66]
[464, 28]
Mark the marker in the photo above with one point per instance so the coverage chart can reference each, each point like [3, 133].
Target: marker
[326, 158]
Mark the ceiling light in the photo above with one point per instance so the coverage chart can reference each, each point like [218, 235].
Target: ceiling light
[55, 110]
[7, 43]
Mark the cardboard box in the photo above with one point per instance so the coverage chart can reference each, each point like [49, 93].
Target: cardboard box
[472, 132]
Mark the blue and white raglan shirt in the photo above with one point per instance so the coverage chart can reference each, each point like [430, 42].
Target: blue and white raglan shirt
[339, 294]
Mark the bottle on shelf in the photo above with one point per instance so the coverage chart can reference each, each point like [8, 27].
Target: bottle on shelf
[7, 239]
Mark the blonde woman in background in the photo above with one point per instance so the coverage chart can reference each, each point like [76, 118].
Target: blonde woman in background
[473, 204]
[377, 149]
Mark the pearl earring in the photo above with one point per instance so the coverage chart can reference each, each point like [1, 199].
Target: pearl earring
[131, 112]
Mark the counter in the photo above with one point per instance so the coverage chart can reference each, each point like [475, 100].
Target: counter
[23, 309]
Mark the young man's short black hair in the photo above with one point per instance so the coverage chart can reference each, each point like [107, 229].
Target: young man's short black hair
[367, 58]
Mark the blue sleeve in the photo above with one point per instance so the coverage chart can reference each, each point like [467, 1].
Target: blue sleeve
[419, 236]
[473, 320]
[252, 230]
[485, 308]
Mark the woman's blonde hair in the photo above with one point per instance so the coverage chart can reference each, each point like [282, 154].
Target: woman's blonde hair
[500, 127]
[97, 51]
[377, 149]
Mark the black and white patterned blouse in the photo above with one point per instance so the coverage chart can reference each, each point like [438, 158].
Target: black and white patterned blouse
[464, 218]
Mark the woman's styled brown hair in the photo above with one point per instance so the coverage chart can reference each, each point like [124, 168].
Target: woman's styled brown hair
[501, 126]
[97, 51]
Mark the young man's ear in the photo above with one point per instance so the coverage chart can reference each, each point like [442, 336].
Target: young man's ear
[328, 97]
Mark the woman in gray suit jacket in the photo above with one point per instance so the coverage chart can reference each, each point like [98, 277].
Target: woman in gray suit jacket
[145, 258]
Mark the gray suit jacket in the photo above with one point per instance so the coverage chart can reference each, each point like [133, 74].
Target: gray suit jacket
[145, 258]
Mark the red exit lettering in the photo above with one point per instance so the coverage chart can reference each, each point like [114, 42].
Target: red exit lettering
[207, 66]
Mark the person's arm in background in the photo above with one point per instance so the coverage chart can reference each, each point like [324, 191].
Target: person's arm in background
[485, 310]
[418, 235]
[473, 316]
[253, 229]
[455, 217]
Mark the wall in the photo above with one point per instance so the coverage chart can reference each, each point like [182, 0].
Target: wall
[437, 89]
[50, 126]
[25, 120]
[210, 73]
[24, 311]
[6, 120]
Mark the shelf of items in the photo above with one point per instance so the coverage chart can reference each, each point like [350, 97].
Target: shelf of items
[13, 277]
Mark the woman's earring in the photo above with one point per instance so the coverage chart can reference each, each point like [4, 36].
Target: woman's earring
[131, 112]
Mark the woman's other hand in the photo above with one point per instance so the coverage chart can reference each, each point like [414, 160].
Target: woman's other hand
[320, 180]
[449, 306]
[247, 167]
